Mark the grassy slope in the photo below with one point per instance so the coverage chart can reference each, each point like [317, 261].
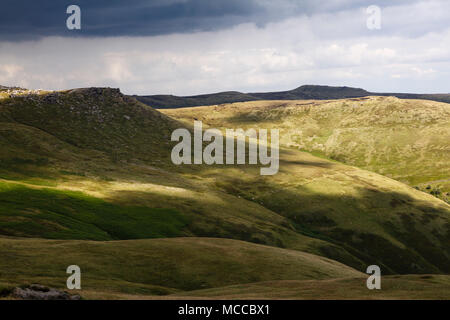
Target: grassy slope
[403, 139]
[351, 208]
[373, 217]
[169, 101]
[115, 151]
[94, 119]
[38, 153]
[407, 287]
[371, 213]
[62, 214]
[158, 266]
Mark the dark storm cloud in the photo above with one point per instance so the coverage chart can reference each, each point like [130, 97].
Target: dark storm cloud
[325, 42]
[25, 19]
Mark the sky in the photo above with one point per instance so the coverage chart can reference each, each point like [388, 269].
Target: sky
[187, 47]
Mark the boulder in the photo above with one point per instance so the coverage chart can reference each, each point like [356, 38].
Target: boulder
[40, 292]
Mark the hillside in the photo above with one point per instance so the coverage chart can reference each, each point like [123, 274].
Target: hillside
[406, 140]
[99, 119]
[305, 92]
[408, 287]
[313, 92]
[206, 268]
[170, 101]
[92, 164]
[160, 266]
[438, 97]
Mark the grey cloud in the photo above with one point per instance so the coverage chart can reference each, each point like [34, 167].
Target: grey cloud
[286, 44]
[34, 19]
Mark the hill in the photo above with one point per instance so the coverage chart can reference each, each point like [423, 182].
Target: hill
[406, 140]
[410, 287]
[159, 266]
[206, 268]
[170, 101]
[438, 97]
[100, 119]
[92, 164]
[306, 92]
[313, 92]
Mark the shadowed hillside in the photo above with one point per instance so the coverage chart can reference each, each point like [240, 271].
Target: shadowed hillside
[170, 101]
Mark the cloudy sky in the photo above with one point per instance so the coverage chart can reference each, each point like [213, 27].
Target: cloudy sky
[189, 47]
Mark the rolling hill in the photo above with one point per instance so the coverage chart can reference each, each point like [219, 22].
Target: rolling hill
[406, 140]
[93, 164]
[159, 266]
[205, 268]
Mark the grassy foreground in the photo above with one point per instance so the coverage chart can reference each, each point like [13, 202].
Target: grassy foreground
[407, 287]
[158, 266]
[198, 268]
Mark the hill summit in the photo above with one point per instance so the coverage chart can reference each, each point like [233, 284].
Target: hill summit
[101, 119]
[308, 92]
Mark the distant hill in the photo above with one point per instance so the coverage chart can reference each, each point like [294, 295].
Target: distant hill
[306, 92]
[313, 92]
[170, 101]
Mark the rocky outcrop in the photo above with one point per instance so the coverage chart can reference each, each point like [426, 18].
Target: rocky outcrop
[40, 292]
[10, 88]
[97, 92]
